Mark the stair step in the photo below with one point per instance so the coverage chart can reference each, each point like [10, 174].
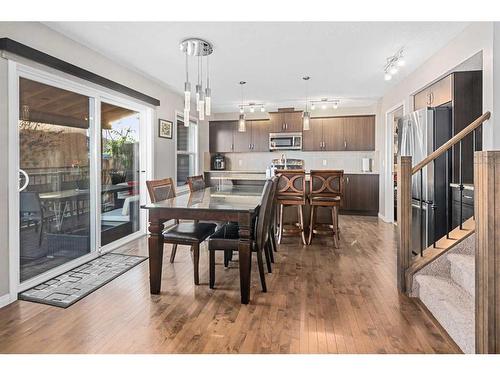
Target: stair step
[463, 271]
[452, 306]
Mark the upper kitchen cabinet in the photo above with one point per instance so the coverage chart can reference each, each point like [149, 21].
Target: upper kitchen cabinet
[359, 133]
[260, 135]
[221, 136]
[285, 121]
[353, 133]
[435, 95]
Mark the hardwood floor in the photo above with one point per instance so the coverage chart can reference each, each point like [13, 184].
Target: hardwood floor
[319, 300]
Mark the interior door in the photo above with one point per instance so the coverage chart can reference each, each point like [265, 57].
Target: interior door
[56, 203]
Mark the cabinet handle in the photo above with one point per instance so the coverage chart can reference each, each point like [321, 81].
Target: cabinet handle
[432, 97]
[345, 144]
[347, 180]
[324, 145]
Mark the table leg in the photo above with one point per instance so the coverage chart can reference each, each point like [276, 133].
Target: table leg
[155, 248]
[245, 256]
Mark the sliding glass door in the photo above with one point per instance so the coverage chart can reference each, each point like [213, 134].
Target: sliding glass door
[120, 172]
[55, 171]
[82, 171]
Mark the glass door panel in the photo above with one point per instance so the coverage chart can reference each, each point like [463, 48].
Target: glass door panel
[120, 178]
[55, 200]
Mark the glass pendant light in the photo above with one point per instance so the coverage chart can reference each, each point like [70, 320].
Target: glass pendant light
[242, 126]
[201, 111]
[208, 93]
[306, 115]
[186, 118]
[187, 89]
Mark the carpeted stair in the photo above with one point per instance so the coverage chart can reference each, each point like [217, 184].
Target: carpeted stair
[446, 287]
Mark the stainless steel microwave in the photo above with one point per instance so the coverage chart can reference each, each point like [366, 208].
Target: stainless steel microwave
[285, 141]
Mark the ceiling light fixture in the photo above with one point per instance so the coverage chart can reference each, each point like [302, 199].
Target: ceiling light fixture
[306, 116]
[392, 64]
[200, 48]
[241, 122]
[262, 108]
[325, 103]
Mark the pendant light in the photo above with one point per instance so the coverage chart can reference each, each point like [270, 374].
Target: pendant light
[187, 89]
[201, 106]
[242, 127]
[306, 116]
[208, 92]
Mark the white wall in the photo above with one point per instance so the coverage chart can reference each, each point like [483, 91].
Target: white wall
[40, 37]
[478, 37]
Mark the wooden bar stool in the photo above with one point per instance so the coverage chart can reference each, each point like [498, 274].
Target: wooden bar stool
[291, 191]
[326, 189]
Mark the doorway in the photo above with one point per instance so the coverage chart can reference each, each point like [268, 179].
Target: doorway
[392, 118]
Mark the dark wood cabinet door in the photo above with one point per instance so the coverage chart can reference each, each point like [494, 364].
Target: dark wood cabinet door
[359, 133]
[312, 139]
[276, 122]
[243, 140]
[361, 193]
[293, 121]
[260, 135]
[333, 133]
[422, 99]
[221, 136]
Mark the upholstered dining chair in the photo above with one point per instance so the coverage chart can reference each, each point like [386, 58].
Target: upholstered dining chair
[227, 237]
[196, 183]
[326, 189]
[185, 233]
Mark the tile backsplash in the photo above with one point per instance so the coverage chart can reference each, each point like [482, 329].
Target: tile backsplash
[349, 161]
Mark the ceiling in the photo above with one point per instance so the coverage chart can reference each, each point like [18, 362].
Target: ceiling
[344, 59]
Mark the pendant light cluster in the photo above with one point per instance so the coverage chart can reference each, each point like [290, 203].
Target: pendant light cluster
[197, 48]
[393, 64]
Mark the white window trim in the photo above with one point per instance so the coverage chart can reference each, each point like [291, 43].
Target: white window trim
[180, 115]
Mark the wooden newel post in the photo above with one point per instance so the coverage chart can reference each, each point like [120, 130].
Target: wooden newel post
[404, 219]
[487, 215]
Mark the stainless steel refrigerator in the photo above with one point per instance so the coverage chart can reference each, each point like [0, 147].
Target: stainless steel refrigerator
[419, 134]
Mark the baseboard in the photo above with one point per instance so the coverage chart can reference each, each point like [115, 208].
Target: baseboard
[5, 300]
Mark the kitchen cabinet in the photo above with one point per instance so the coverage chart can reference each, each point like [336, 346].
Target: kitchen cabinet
[350, 133]
[463, 92]
[221, 136]
[361, 194]
[284, 121]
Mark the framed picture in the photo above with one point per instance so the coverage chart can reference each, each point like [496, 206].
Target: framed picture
[165, 129]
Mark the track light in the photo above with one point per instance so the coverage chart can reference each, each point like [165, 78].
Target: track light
[401, 62]
[393, 70]
[387, 77]
[313, 106]
[252, 109]
[262, 109]
[392, 64]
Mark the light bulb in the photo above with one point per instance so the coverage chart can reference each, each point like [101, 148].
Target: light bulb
[241, 124]
[252, 109]
[393, 70]
[198, 91]
[387, 77]
[335, 105]
[313, 107]
[262, 109]
[401, 62]
[187, 96]
[323, 106]
[242, 110]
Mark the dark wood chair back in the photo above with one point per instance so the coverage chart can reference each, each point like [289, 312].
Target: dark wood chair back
[264, 218]
[196, 183]
[160, 190]
[291, 183]
[326, 183]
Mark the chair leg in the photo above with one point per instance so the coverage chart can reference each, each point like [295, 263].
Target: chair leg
[260, 263]
[211, 267]
[267, 250]
[337, 221]
[196, 263]
[172, 254]
[273, 240]
[334, 225]
[271, 250]
[280, 233]
[41, 234]
[311, 225]
[226, 258]
[301, 218]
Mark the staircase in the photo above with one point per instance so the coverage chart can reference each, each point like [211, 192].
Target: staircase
[446, 287]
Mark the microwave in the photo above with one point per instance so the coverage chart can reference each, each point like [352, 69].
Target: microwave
[285, 141]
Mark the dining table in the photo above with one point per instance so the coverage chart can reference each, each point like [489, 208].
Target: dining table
[233, 203]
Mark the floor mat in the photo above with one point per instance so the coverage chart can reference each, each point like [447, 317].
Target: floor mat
[70, 287]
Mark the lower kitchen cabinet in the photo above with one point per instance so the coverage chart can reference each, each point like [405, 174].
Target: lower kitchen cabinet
[361, 193]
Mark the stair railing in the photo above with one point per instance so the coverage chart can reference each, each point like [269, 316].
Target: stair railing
[406, 255]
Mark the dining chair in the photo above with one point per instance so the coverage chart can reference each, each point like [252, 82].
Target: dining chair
[32, 211]
[185, 233]
[227, 237]
[326, 189]
[196, 183]
[291, 191]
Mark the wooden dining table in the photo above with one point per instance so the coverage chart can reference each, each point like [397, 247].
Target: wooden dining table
[227, 203]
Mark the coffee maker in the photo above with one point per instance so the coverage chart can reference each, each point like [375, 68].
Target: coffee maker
[219, 162]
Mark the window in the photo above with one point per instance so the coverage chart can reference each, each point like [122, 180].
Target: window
[187, 150]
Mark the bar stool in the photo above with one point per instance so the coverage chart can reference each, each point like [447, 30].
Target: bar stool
[291, 191]
[326, 189]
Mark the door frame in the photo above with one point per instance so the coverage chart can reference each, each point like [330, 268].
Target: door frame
[17, 70]
[389, 197]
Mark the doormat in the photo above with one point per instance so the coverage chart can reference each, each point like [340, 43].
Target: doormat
[70, 287]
